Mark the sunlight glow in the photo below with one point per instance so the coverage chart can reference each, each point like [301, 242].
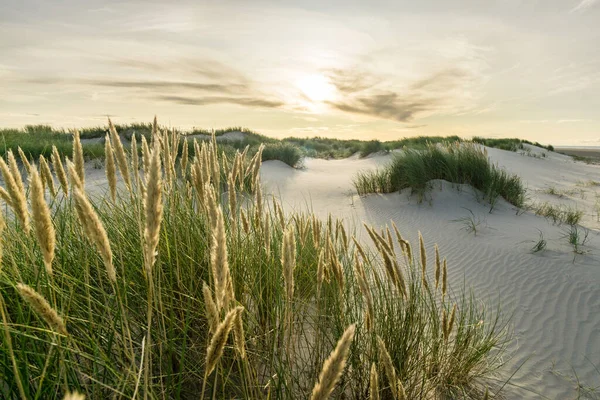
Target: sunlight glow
[317, 88]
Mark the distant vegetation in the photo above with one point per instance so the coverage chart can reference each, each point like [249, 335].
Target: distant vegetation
[36, 140]
[454, 163]
[509, 144]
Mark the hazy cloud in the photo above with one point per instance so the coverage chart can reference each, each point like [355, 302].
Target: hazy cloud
[203, 101]
[368, 95]
[584, 4]
[385, 105]
[149, 84]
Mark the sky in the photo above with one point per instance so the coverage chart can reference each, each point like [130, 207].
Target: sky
[347, 69]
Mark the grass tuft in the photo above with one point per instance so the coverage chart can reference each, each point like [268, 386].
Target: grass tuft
[465, 164]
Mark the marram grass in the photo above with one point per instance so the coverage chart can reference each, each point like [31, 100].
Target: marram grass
[154, 308]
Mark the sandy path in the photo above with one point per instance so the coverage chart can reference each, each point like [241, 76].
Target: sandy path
[555, 303]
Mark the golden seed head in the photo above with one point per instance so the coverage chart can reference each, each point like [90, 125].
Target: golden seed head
[59, 170]
[388, 366]
[44, 229]
[333, 366]
[42, 308]
[373, 383]
[219, 263]
[153, 209]
[17, 195]
[78, 157]
[111, 170]
[212, 315]
[120, 154]
[24, 159]
[218, 340]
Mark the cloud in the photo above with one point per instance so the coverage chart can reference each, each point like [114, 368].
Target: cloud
[208, 100]
[387, 105]
[147, 84]
[584, 5]
[447, 90]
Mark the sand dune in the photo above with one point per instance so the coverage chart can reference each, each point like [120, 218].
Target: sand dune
[553, 296]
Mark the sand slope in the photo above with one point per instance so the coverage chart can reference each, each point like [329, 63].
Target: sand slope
[553, 296]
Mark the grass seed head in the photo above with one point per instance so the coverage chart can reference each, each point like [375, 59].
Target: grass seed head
[42, 221]
[42, 308]
[333, 366]
[78, 157]
[218, 340]
[110, 168]
[59, 170]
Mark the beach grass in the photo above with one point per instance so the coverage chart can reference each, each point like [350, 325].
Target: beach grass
[454, 162]
[191, 283]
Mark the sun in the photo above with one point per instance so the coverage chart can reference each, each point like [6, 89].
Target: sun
[317, 88]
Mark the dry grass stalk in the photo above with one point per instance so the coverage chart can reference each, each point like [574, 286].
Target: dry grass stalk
[183, 162]
[449, 322]
[444, 279]
[361, 277]
[267, 235]
[135, 162]
[388, 366]
[46, 174]
[2, 228]
[360, 249]
[59, 170]
[333, 366]
[145, 155]
[153, 210]
[92, 226]
[401, 393]
[210, 202]
[42, 308]
[373, 383]
[245, 223]
[219, 263]
[438, 266]
[110, 168]
[218, 340]
[239, 336]
[288, 261]
[119, 154]
[5, 196]
[279, 213]
[167, 160]
[444, 324]
[14, 170]
[24, 159]
[320, 271]
[42, 221]
[423, 254]
[17, 195]
[212, 314]
[78, 157]
[258, 204]
[337, 269]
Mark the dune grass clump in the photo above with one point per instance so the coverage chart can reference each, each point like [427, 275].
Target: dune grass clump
[509, 144]
[37, 140]
[456, 163]
[558, 214]
[199, 286]
[284, 152]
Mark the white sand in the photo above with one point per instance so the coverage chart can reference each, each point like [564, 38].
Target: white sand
[554, 302]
